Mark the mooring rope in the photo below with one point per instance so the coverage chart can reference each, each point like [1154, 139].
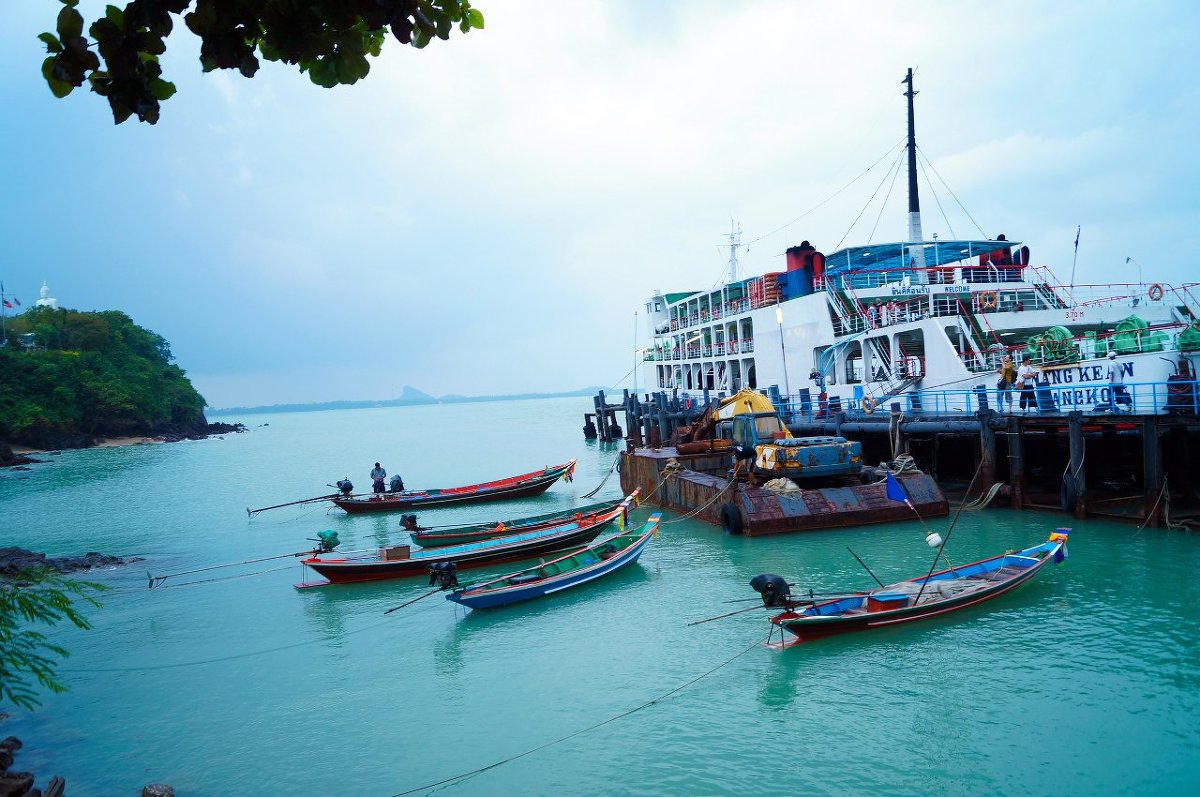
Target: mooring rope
[902, 463]
[230, 657]
[728, 485]
[581, 731]
[602, 481]
[983, 500]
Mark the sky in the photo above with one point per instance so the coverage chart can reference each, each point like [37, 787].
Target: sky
[489, 215]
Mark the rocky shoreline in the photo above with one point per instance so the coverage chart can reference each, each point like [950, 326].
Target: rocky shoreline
[166, 434]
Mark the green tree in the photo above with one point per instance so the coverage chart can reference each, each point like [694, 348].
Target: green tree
[36, 597]
[91, 374]
[328, 39]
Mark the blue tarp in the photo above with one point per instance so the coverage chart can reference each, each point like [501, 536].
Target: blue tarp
[897, 256]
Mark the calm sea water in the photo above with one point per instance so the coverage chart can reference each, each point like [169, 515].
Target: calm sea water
[1086, 681]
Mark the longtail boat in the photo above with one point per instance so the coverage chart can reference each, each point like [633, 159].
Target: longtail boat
[915, 599]
[522, 486]
[400, 561]
[576, 568]
[457, 535]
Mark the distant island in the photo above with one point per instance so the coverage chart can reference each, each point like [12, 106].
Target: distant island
[409, 396]
[70, 379]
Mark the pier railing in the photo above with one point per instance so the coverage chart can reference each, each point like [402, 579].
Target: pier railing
[1177, 397]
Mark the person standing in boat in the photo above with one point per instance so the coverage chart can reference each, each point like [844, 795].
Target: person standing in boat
[1118, 394]
[1004, 385]
[1026, 379]
[378, 474]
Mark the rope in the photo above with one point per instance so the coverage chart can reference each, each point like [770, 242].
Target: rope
[894, 439]
[230, 657]
[580, 732]
[219, 578]
[903, 463]
[983, 500]
[602, 481]
[732, 481]
[670, 469]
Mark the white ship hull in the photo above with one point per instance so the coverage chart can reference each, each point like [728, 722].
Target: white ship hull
[937, 350]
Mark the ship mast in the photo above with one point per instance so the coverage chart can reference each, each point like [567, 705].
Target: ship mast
[735, 240]
[914, 200]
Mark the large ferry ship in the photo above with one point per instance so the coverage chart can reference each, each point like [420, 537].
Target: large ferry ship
[927, 324]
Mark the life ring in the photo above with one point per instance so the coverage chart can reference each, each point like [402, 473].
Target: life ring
[988, 300]
[1155, 293]
[868, 404]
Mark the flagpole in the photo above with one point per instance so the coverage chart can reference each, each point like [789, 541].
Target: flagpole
[3, 319]
[1075, 256]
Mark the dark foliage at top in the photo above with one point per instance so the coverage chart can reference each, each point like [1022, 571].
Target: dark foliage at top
[328, 39]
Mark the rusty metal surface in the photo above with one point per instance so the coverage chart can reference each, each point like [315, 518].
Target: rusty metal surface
[765, 512]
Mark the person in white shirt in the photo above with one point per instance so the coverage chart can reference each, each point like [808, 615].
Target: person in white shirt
[1118, 394]
[1026, 379]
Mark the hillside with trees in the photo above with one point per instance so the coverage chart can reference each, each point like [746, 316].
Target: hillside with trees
[67, 377]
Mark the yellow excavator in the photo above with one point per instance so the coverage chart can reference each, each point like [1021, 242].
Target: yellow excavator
[750, 424]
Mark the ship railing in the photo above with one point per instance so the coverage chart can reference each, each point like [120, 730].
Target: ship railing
[1092, 399]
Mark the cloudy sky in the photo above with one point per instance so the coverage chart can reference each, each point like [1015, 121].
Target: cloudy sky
[487, 215]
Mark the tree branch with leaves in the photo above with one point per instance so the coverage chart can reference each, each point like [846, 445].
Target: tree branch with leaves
[36, 596]
[329, 39]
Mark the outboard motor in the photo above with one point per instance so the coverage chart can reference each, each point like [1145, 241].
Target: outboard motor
[396, 485]
[345, 486]
[444, 574]
[326, 541]
[409, 522]
[774, 590]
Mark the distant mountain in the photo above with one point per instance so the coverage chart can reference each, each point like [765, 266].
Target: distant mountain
[409, 396]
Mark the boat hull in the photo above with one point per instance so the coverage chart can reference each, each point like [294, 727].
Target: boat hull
[592, 566]
[864, 611]
[433, 538]
[529, 484]
[508, 549]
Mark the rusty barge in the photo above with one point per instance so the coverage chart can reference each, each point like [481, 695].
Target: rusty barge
[701, 485]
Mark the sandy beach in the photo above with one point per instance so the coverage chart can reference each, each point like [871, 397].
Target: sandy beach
[104, 442]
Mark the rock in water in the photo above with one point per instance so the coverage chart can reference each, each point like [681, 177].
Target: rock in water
[158, 790]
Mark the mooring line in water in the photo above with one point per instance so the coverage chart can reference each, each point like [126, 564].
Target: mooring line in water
[221, 578]
[155, 581]
[219, 659]
[414, 600]
[539, 748]
[611, 468]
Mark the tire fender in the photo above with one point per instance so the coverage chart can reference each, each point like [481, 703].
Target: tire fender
[731, 519]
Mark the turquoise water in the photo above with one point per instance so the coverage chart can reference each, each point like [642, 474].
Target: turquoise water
[1086, 681]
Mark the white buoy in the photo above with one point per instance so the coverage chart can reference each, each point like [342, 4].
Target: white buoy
[934, 539]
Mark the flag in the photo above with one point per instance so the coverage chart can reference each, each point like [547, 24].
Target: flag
[8, 304]
[895, 490]
[1077, 229]
[18, 301]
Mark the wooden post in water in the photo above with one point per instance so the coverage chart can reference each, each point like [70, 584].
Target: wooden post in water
[1016, 463]
[664, 427]
[601, 419]
[1075, 472]
[1152, 458]
[987, 450]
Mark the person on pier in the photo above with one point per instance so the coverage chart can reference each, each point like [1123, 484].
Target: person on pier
[1004, 385]
[1026, 379]
[1118, 394]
